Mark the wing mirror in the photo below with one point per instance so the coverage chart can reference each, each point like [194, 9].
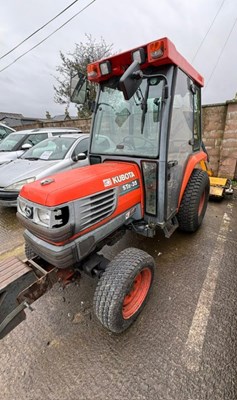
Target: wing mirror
[26, 146]
[79, 157]
[131, 80]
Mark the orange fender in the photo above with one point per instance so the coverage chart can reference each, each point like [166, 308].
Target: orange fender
[194, 159]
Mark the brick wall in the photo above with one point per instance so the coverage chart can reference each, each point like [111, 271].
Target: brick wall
[83, 124]
[228, 156]
[220, 137]
[213, 120]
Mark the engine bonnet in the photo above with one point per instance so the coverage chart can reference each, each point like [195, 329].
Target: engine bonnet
[78, 183]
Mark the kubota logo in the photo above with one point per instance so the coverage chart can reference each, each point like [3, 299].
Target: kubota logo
[107, 182]
[123, 177]
[117, 179]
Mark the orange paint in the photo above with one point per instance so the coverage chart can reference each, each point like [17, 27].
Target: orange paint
[77, 184]
[135, 298]
[192, 162]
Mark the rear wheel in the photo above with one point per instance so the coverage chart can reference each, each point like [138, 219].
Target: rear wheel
[123, 289]
[194, 202]
[29, 252]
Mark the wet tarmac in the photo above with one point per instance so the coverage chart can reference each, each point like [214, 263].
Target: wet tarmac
[182, 347]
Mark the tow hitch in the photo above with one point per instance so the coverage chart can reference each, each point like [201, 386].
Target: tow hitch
[21, 283]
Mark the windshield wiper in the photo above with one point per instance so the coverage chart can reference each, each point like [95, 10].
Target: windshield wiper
[30, 158]
[144, 108]
[144, 99]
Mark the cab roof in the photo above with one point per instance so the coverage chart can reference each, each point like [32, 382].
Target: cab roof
[157, 53]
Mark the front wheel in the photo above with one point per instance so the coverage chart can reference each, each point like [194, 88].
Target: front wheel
[194, 202]
[123, 289]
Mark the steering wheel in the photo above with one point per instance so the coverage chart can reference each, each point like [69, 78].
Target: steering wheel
[106, 104]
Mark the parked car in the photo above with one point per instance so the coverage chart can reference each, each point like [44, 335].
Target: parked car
[16, 143]
[5, 130]
[48, 157]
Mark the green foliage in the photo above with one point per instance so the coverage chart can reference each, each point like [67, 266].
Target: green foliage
[84, 53]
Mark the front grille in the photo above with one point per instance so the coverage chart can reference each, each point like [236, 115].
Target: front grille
[97, 207]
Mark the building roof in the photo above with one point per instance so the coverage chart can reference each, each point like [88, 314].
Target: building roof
[14, 119]
[10, 115]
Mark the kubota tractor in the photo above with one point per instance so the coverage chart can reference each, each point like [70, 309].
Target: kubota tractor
[144, 175]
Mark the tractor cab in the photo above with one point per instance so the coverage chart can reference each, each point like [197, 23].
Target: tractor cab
[147, 112]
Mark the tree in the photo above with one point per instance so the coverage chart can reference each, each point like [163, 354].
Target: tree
[84, 53]
[48, 116]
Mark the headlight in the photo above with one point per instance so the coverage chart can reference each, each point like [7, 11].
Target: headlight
[21, 206]
[43, 216]
[18, 185]
[49, 218]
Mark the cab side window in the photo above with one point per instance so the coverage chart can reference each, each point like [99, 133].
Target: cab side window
[181, 132]
[196, 117]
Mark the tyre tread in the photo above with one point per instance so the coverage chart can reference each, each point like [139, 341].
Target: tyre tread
[114, 282]
[188, 215]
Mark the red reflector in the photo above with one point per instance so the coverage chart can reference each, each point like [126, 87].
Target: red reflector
[93, 71]
[156, 49]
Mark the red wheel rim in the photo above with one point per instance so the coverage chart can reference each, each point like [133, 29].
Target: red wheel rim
[134, 299]
[201, 204]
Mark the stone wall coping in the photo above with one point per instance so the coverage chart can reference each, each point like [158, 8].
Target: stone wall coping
[233, 101]
[214, 105]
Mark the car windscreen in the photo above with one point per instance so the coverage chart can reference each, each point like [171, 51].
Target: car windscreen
[54, 148]
[10, 142]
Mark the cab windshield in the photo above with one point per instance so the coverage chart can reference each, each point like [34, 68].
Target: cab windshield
[129, 127]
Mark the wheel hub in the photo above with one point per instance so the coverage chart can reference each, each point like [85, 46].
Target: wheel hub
[137, 294]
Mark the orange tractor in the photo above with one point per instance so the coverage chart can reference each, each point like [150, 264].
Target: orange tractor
[144, 175]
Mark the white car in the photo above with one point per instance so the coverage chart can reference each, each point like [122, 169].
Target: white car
[49, 157]
[16, 143]
[5, 130]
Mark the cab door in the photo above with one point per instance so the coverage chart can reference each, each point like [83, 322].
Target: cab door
[185, 136]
